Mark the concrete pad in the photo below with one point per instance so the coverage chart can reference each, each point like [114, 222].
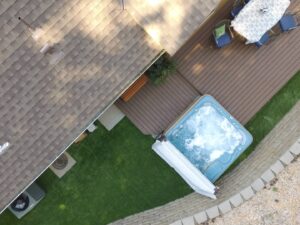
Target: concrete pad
[213, 212]
[225, 207]
[286, 158]
[60, 173]
[177, 223]
[236, 200]
[247, 193]
[111, 117]
[91, 128]
[268, 176]
[258, 184]
[277, 167]
[188, 221]
[201, 217]
[295, 149]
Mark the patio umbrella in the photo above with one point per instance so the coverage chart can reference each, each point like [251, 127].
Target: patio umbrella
[258, 17]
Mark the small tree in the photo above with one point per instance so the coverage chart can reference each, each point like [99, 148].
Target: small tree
[161, 69]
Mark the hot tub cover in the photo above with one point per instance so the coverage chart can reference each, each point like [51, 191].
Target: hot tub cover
[194, 178]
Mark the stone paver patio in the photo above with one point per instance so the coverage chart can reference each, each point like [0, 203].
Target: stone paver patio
[239, 185]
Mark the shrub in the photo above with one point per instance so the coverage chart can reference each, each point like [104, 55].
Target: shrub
[161, 69]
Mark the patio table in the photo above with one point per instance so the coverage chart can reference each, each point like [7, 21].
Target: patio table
[257, 17]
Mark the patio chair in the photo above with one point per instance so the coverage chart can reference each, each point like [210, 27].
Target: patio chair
[268, 36]
[289, 22]
[222, 34]
[264, 39]
[237, 7]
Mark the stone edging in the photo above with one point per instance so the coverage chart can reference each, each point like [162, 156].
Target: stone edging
[247, 193]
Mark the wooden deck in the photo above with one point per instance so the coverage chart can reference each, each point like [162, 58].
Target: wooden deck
[153, 108]
[242, 78]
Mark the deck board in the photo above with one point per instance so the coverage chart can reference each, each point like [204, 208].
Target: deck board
[241, 77]
[153, 108]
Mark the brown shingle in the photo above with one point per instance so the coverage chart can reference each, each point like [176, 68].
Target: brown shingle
[44, 107]
[171, 22]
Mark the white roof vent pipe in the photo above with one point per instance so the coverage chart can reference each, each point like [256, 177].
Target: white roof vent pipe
[3, 147]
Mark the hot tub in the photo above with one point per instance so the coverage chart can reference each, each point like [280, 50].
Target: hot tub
[208, 137]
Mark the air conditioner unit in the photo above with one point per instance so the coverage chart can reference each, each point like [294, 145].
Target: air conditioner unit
[27, 201]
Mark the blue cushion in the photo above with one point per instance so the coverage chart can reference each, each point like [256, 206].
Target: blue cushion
[264, 39]
[235, 11]
[287, 22]
[223, 40]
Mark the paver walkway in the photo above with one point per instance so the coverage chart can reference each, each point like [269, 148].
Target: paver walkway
[277, 142]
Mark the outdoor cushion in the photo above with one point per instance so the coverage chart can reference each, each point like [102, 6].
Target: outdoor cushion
[223, 40]
[235, 11]
[287, 22]
[219, 31]
[264, 39]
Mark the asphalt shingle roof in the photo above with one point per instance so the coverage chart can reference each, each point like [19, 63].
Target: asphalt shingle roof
[44, 107]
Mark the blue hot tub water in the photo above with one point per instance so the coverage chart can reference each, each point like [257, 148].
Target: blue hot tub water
[209, 137]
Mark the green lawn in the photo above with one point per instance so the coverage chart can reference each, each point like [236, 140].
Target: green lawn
[117, 174]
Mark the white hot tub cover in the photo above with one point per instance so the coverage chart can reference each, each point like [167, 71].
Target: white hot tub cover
[193, 177]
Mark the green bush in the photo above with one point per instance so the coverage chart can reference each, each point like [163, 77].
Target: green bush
[161, 69]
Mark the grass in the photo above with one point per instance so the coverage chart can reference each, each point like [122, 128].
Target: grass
[117, 174]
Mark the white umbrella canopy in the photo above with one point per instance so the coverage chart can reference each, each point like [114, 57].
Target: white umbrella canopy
[257, 17]
[192, 176]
